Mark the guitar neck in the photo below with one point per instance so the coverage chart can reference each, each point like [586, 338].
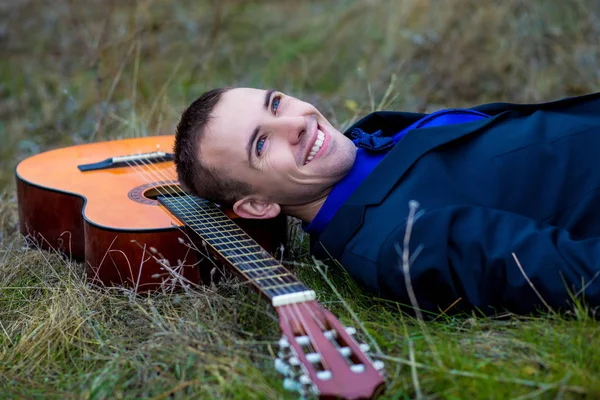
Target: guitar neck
[237, 248]
[318, 356]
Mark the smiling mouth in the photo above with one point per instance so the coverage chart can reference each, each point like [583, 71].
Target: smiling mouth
[316, 146]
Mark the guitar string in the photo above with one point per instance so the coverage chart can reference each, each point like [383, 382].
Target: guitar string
[166, 180]
[274, 286]
[317, 321]
[297, 311]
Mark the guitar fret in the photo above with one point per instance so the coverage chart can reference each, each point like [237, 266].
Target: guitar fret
[260, 268]
[240, 234]
[292, 288]
[244, 247]
[257, 260]
[280, 286]
[255, 263]
[235, 227]
[246, 254]
[224, 242]
[270, 274]
[211, 220]
[199, 213]
[273, 276]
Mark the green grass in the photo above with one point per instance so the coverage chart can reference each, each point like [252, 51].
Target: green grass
[73, 72]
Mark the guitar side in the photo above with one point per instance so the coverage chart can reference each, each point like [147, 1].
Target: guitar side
[54, 220]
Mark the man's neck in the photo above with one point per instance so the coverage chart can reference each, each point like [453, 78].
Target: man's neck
[306, 212]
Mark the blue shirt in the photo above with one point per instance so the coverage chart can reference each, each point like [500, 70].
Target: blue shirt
[366, 160]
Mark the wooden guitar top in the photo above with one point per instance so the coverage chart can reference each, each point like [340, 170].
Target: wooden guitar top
[114, 196]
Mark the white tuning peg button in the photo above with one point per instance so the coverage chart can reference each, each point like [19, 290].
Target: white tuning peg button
[313, 358]
[324, 375]
[291, 385]
[303, 340]
[345, 351]
[357, 368]
[350, 330]
[304, 380]
[284, 343]
[282, 367]
[379, 365]
[330, 334]
[364, 347]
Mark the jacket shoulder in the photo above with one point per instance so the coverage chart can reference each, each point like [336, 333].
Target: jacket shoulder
[589, 100]
[389, 122]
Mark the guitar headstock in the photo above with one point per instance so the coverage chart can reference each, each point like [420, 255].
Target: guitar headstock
[321, 358]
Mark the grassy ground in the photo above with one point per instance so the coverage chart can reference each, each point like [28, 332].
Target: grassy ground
[73, 72]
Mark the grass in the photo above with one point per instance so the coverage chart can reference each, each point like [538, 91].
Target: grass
[73, 72]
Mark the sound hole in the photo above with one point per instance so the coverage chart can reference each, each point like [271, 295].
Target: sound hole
[163, 190]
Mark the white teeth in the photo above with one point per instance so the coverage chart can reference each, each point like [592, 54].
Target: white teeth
[316, 147]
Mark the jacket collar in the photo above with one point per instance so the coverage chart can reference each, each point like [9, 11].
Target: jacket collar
[390, 171]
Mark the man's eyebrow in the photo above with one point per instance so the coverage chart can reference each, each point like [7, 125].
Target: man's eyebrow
[256, 130]
[268, 98]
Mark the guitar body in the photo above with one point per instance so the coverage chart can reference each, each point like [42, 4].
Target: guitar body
[109, 217]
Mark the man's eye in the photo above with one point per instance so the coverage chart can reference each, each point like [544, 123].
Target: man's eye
[259, 145]
[275, 104]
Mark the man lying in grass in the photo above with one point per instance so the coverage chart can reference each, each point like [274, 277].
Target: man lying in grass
[508, 195]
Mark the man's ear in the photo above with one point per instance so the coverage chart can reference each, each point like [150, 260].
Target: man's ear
[252, 208]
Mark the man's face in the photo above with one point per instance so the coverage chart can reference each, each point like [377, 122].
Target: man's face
[283, 147]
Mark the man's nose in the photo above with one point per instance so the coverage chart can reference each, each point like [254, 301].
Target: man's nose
[290, 128]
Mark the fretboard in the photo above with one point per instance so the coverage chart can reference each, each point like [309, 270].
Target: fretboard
[234, 245]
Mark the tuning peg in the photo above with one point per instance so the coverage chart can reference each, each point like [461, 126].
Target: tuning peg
[283, 342]
[304, 380]
[295, 366]
[292, 385]
[379, 365]
[350, 330]
[313, 358]
[345, 351]
[357, 368]
[282, 367]
[324, 375]
[285, 350]
[307, 386]
[364, 347]
[303, 340]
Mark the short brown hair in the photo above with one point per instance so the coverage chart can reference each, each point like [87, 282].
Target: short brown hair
[209, 182]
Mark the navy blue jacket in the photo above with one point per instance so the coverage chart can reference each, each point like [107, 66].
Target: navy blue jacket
[525, 181]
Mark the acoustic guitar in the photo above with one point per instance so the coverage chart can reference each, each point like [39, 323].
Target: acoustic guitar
[118, 207]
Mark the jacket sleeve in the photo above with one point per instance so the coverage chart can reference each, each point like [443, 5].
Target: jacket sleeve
[466, 253]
